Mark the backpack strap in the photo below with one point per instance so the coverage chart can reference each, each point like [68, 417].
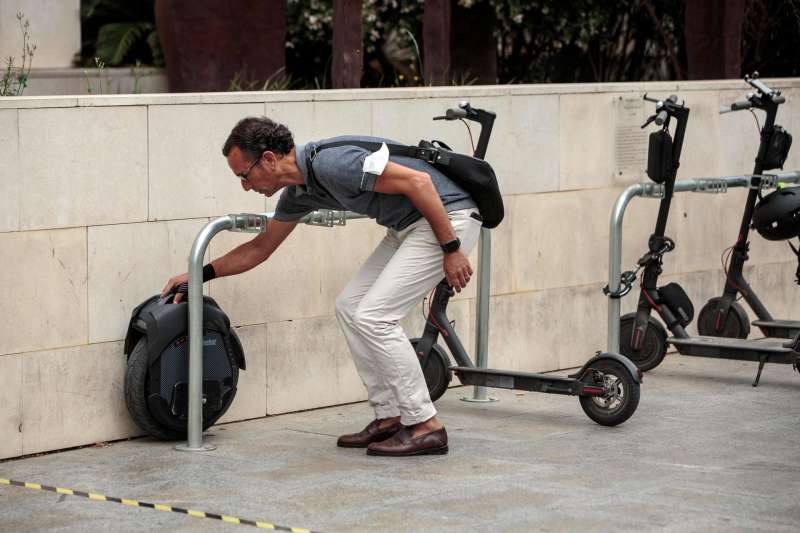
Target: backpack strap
[430, 155]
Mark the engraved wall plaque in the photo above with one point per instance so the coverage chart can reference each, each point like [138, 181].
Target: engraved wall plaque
[630, 140]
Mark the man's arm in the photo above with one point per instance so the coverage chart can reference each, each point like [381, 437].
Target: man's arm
[419, 189]
[245, 256]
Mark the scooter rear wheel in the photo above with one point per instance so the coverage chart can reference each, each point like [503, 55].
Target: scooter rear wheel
[653, 347]
[621, 397]
[437, 370]
[736, 326]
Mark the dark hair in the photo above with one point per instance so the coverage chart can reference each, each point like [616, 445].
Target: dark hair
[254, 135]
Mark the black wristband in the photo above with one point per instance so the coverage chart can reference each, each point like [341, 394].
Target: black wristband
[208, 273]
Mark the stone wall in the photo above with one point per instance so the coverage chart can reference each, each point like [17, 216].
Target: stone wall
[55, 29]
[102, 196]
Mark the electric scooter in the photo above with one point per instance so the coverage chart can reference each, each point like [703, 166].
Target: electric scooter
[642, 338]
[608, 385]
[722, 316]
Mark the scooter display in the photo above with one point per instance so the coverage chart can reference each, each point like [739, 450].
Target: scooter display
[642, 338]
[722, 316]
[608, 384]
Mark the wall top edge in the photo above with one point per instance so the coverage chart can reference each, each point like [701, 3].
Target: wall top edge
[25, 102]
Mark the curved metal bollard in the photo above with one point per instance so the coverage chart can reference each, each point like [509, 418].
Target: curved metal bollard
[246, 223]
[654, 190]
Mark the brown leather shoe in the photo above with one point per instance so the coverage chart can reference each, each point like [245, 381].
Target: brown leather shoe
[371, 433]
[402, 444]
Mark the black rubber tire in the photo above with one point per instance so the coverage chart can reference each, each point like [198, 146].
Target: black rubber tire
[437, 372]
[136, 396]
[737, 323]
[606, 411]
[654, 346]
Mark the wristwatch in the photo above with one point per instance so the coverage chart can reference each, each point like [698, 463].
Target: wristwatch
[451, 246]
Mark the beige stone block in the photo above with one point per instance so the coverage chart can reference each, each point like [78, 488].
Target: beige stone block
[98, 176]
[129, 263]
[504, 144]
[10, 170]
[776, 288]
[309, 365]
[251, 394]
[586, 141]
[530, 146]
[789, 117]
[11, 393]
[43, 283]
[36, 102]
[546, 330]
[313, 121]
[74, 396]
[700, 157]
[189, 177]
[301, 279]
[502, 252]
[560, 239]
[699, 233]
[408, 121]
[55, 28]
[739, 136]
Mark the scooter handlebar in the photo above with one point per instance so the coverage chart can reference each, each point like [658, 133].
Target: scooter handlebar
[736, 106]
[759, 85]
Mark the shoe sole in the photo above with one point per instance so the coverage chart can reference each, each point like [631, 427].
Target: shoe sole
[340, 445]
[442, 450]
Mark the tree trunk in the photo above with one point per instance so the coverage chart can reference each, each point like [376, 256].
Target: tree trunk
[473, 47]
[348, 57]
[436, 42]
[208, 44]
[714, 38]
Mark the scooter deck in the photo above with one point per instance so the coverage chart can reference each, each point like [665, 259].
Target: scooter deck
[784, 329]
[508, 379]
[774, 350]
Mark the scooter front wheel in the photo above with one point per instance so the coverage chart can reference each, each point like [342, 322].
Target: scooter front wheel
[653, 346]
[436, 370]
[620, 397]
[736, 326]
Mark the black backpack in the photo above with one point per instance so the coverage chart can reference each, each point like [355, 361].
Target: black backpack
[474, 175]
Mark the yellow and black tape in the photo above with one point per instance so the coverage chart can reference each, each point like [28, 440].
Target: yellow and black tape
[157, 506]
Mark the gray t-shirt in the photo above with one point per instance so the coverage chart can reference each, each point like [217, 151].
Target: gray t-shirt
[341, 185]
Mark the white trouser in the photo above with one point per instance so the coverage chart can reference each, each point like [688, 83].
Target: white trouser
[404, 267]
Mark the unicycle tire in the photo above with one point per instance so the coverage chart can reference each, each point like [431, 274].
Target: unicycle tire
[136, 392]
[654, 345]
[622, 398]
[737, 324]
[437, 370]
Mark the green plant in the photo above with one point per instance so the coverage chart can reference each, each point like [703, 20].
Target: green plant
[15, 78]
[136, 72]
[120, 32]
[100, 74]
[278, 81]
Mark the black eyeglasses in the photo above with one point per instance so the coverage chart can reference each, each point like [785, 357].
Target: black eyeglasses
[243, 175]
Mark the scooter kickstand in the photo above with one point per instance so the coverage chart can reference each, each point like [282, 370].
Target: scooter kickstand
[761, 361]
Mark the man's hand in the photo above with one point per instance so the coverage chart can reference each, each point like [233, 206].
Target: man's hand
[173, 281]
[457, 269]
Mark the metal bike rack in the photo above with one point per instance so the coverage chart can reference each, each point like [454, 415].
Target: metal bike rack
[257, 223]
[654, 190]
[244, 223]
